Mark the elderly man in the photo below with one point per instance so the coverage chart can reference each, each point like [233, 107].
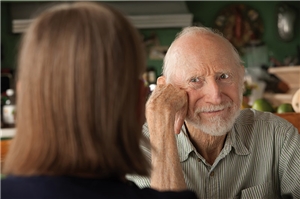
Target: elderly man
[200, 138]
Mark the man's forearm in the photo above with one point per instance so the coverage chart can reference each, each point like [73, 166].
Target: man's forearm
[166, 172]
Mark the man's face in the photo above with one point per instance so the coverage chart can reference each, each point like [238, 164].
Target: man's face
[213, 81]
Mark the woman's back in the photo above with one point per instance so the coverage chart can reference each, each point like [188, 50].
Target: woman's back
[66, 187]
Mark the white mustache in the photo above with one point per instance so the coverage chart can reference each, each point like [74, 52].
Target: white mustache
[212, 108]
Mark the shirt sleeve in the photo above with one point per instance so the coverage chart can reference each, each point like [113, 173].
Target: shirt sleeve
[289, 165]
[143, 181]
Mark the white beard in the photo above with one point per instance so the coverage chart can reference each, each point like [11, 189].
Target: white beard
[216, 125]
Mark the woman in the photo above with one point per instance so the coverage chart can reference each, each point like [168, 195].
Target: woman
[80, 108]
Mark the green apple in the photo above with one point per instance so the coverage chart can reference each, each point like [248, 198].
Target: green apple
[262, 105]
[285, 108]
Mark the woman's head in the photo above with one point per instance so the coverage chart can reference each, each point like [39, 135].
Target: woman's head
[79, 69]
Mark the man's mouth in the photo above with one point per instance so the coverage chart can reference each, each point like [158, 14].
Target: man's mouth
[214, 108]
[214, 111]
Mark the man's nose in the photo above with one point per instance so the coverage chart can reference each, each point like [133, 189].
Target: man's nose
[213, 92]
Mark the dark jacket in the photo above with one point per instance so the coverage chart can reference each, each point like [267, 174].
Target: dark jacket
[63, 187]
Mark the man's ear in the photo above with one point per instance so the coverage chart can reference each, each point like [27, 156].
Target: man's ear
[142, 98]
[161, 80]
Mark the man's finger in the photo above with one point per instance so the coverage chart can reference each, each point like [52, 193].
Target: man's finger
[178, 124]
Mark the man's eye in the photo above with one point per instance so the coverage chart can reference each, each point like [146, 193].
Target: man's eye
[194, 79]
[224, 76]
[196, 82]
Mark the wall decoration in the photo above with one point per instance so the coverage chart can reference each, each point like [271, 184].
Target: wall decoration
[158, 52]
[240, 24]
[285, 22]
[155, 51]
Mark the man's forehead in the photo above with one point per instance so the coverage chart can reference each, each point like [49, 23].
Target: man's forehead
[197, 66]
[190, 52]
[201, 55]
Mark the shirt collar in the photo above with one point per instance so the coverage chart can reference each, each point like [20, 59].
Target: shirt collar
[184, 144]
[236, 142]
[232, 140]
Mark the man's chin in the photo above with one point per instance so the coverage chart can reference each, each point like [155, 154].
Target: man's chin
[215, 125]
[216, 132]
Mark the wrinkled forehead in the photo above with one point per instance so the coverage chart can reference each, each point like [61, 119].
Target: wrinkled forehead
[201, 55]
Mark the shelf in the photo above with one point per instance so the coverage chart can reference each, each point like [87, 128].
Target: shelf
[7, 133]
[277, 98]
[289, 74]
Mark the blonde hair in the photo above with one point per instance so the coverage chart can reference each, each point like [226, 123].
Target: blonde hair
[79, 68]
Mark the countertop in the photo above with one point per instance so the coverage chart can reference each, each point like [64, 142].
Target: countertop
[7, 132]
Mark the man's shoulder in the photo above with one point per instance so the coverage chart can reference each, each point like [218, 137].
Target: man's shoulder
[261, 123]
[146, 130]
[252, 116]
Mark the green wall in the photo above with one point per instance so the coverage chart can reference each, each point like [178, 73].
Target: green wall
[206, 12]
[165, 36]
[203, 11]
[9, 41]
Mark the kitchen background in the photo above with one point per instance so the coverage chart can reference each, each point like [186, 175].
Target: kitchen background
[204, 13]
[252, 26]
[266, 34]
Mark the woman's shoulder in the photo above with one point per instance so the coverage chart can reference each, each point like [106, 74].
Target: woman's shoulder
[151, 193]
[75, 187]
[17, 187]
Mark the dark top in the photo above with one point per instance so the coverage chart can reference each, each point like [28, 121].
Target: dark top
[56, 187]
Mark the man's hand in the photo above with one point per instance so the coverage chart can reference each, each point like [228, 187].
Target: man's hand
[165, 113]
[168, 99]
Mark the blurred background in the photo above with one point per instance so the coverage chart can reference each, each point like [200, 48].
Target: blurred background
[266, 34]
